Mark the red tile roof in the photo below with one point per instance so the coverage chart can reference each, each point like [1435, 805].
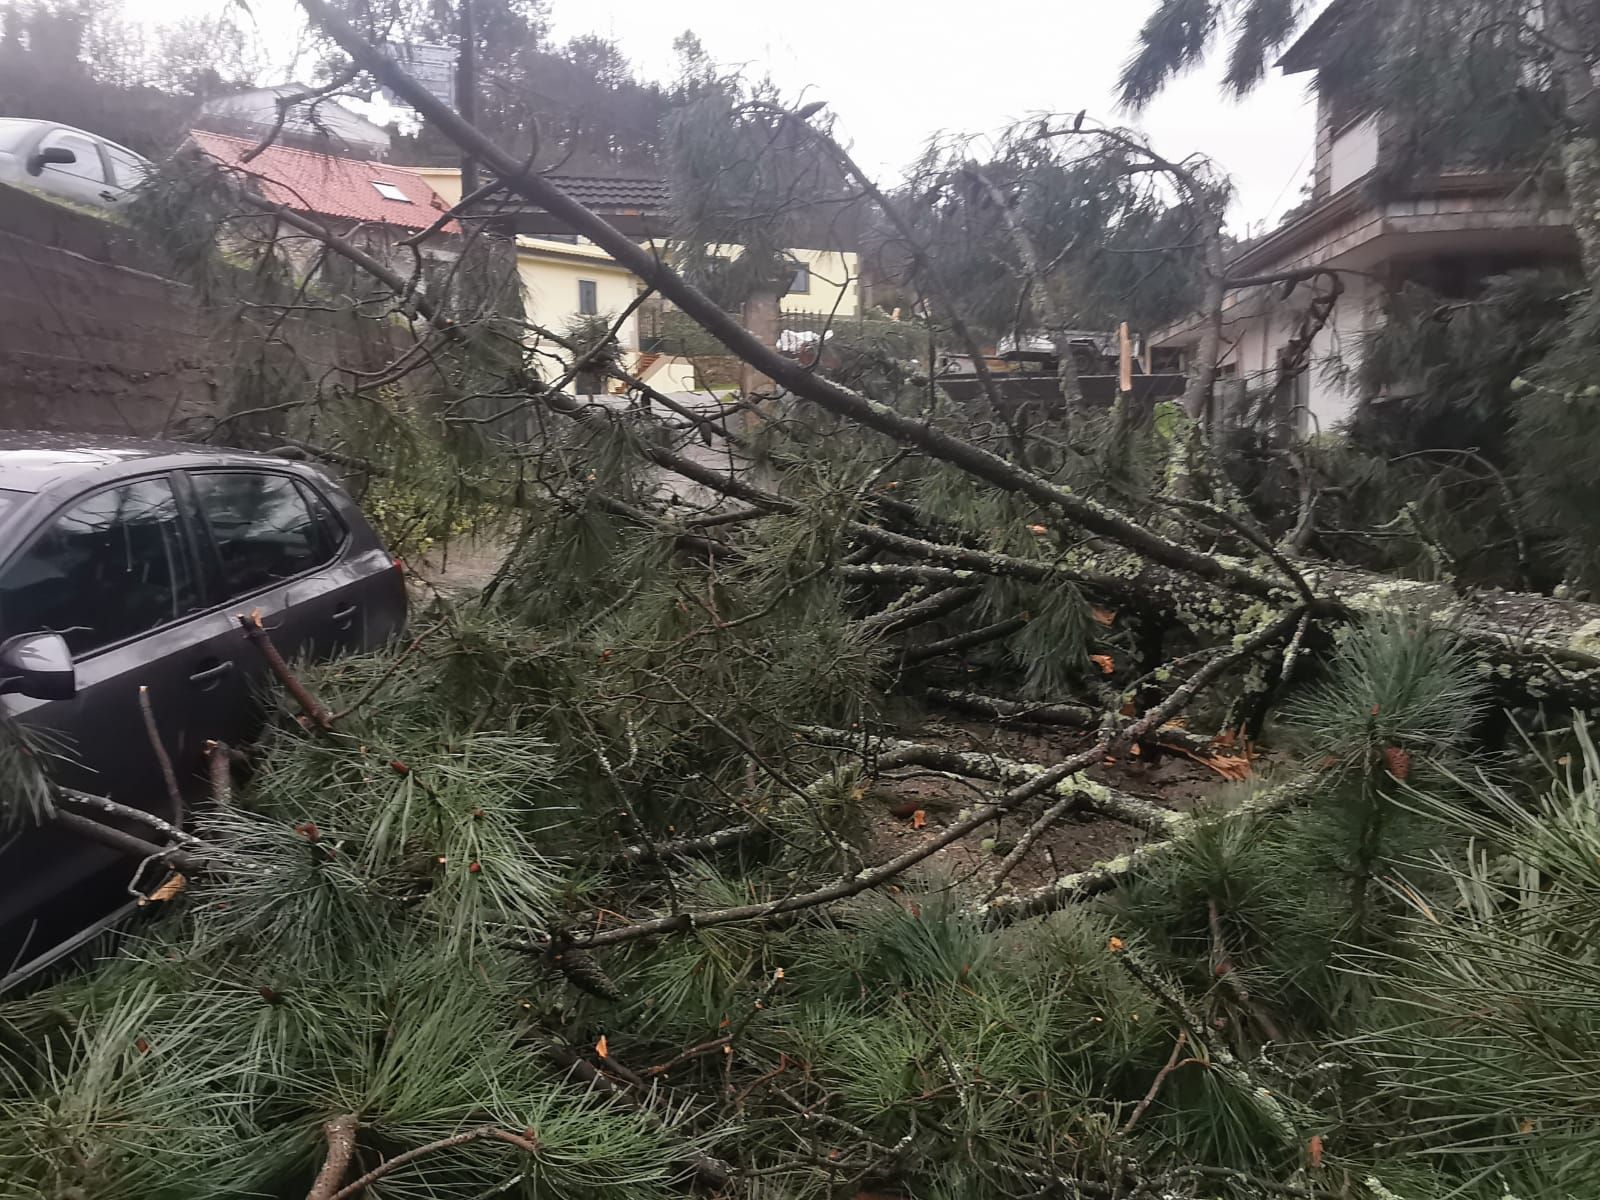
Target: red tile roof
[328, 186]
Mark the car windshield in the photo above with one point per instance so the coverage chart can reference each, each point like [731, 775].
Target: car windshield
[14, 131]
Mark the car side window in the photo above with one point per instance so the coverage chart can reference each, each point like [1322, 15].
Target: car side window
[330, 528]
[111, 567]
[87, 167]
[129, 168]
[263, 527]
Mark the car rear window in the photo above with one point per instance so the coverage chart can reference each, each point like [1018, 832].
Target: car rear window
[10, 501]
[112, 566]
[264, 528]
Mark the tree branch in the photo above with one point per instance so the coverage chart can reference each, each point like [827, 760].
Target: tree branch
[340, 1134]
[804, 383]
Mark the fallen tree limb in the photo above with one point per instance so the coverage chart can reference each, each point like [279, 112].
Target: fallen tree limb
[340, 1135]
[525, 1141]
[1071, 716]
[1077, 790]
[1103, 877]
[875, 877]
[685, 847]
[920, 612]
[964, 641]
[129, 844]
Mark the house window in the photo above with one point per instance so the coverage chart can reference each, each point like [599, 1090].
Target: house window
[389, 192]
[800, 285]
[588, 297]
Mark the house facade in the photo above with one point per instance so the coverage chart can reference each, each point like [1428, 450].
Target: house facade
[566, 277]
[1448, 231]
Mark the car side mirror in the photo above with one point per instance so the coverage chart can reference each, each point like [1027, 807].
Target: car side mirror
[38, 665]
[54, 156]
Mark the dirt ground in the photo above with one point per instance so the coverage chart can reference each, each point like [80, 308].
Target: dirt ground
[462, 564]
[1080, 839]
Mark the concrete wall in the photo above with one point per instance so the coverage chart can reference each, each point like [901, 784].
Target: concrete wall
[90, 338]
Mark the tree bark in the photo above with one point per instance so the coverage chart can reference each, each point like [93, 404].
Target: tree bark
[761, 313]
[340, 1133]
[1203, 372]
[1580, 164]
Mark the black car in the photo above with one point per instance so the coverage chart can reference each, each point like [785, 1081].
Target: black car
[124, 565]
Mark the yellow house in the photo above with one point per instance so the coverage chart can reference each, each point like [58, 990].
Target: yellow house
[563, 281]
[566, 276]
[826, 281]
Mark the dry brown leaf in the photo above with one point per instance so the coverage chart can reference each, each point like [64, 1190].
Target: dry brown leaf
[1235, 768]
[1526, 1125]
[1314, 1150]
[919, 819]
[1104, 662]
[1115, 945]
[601, 1048]
[1038, 529]
[170, 887]
[1128, 710]
[1103, 616]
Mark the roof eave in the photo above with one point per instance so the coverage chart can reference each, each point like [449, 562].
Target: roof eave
[1305, 53]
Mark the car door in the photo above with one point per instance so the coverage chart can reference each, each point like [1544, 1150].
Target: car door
[278, 546]
[114, 571]
[83, 179]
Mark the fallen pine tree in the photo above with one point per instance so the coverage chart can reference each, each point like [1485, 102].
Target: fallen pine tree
[582, 892]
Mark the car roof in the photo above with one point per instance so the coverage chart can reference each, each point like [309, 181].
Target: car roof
[44, 124]
[32, 461]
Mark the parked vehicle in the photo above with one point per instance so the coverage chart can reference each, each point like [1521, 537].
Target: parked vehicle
[124, 565]
[68, 162]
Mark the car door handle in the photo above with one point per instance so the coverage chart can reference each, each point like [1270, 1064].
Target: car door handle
[210, 674]
[345, 615]
[108, 195]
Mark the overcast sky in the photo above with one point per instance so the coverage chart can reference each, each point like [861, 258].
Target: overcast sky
[893, 72]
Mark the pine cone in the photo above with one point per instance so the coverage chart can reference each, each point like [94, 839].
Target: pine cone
[581, 968]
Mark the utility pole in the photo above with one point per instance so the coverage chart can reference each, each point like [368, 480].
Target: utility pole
[467, 89]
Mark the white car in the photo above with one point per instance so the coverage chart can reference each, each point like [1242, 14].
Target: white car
[67, 162]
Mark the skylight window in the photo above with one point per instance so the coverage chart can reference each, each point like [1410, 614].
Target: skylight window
[389, 192]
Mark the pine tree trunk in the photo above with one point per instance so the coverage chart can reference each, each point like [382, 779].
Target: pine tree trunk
[1580, 164]
[1203, 373]
[761, 314]
[1580, 153]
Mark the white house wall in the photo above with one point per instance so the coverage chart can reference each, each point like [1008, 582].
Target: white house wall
[1259, 326]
